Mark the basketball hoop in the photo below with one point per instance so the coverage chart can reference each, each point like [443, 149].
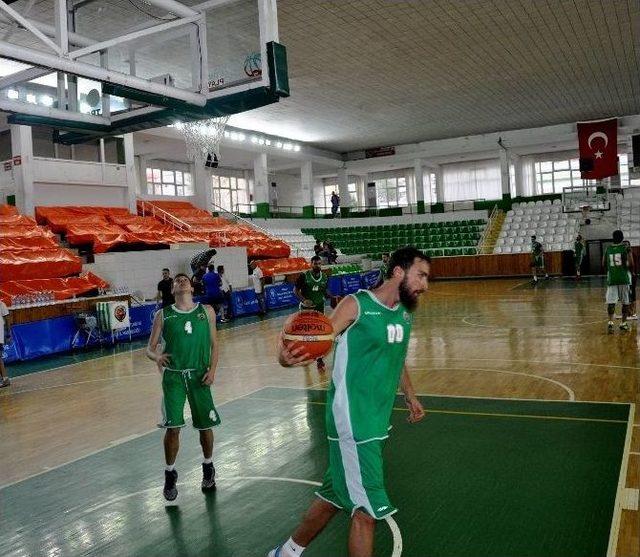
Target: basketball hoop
[203, 137]
[585, 211]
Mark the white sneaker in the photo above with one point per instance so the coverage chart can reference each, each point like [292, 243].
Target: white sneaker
[275, 552]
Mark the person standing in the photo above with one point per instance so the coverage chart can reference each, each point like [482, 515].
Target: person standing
[537, 259]
[165, 286]
[311, 290]
[188, 367]
[225, 288]
[212, 287]
[384, 268]
[618, 262]
[197, 280]
[5, 338]
[578, 254]
[373, 329]
[335, 203]
[633, 273]
[257, 277]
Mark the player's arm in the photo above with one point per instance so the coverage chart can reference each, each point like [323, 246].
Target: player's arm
[213, 332]
[299, 289]
[416, 410]
[345, 313]
[152, 347]
[631, 262]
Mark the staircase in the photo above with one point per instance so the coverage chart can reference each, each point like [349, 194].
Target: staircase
[490, 236]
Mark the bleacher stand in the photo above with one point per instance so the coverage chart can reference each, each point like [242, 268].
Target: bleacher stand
[545, 220]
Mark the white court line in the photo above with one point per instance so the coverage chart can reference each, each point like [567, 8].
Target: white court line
[112, 444]
[47, 387]
[622, 478]
[572, 395]
[393, 526]
[466, 321]
[525, 361]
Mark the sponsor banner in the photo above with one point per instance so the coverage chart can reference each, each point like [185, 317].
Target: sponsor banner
[244, 302]
[370, 279]
[350, 284]
[280, 296]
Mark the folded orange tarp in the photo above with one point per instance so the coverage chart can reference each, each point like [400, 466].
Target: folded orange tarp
[38, 231]
[8, 210]
[272, 267]
[44, 263]
[16, 243]
[62, 288]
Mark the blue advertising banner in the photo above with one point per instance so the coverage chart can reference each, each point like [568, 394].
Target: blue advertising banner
[334, 286]
[280, 295]
[350, 284]
[244, 302]
[370, 279]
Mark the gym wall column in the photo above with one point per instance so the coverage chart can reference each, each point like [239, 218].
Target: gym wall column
[202, 187]
[306, 183]
[343, 190]
[22, 146]
[439, 183]
[261, 185]
[132, 173]
[504, 173]
[517, 165]
[418, 180]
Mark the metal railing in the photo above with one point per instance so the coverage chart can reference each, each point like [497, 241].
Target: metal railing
[487, 229]
[148, 208]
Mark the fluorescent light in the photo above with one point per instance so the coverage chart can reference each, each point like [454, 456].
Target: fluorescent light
[287, 147]
[13, 94]
[254, 139]
[267, 141]
[241, 137]
[31, 98]
[279, 144]
[46, 100]
[261, 141]
[227, 134]
[234, 136]
[296, 148]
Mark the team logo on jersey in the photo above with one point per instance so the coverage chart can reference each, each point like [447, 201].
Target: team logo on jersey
[202, 316]
[407, 316]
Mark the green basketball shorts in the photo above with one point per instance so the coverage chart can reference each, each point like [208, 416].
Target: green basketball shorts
[537, 262]
[355, 479]
[178, 386]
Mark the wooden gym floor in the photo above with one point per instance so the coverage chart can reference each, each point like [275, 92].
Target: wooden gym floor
[82, 461]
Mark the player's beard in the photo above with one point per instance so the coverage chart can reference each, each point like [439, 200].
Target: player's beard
[408, 298]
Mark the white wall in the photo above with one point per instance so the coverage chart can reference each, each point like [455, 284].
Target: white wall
[142, 270]
[289, 189]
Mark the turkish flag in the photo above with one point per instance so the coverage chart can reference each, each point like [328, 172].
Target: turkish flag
[598, 142]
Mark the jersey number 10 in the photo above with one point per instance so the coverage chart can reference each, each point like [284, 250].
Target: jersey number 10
[395, 333]
[615, 260]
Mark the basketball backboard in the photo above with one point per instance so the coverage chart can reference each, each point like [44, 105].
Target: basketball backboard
[112, 66]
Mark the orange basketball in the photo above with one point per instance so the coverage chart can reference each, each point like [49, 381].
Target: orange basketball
[311, 330]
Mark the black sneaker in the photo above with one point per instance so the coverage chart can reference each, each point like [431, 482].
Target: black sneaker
[208, 477]
[170, 490]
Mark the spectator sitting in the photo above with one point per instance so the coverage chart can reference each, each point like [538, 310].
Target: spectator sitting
[317, 248]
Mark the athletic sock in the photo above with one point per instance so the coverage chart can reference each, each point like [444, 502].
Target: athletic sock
[291, 549]
[207, 461]
[170, 467]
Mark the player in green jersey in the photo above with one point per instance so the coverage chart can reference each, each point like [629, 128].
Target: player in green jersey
[187, 363]
[537, 259]
[578, 254]
[618, 262]
[311, 290]
[372, 330]
[383, 269]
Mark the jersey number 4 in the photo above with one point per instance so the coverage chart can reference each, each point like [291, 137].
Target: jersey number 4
[395, 333]
[187, 327]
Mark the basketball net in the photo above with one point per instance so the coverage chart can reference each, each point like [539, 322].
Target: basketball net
[203, 137]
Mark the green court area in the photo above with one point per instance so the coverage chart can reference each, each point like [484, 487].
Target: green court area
[478, 477]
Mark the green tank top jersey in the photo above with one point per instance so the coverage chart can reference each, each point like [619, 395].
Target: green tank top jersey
[187, 338]
[536, 248]
[617, 267]
[578, 249]
[315, 288]
[368, 362]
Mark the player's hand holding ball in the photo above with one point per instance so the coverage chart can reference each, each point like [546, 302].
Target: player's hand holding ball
[306, 336]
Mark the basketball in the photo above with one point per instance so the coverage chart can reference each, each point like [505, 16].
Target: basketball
[311, 330]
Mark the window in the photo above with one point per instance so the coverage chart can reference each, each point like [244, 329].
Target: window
[391, 192]
[553, 176]
[169, 182]
[330, 188]
[230, 193]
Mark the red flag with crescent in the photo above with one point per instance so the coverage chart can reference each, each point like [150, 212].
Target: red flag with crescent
[598, 142]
